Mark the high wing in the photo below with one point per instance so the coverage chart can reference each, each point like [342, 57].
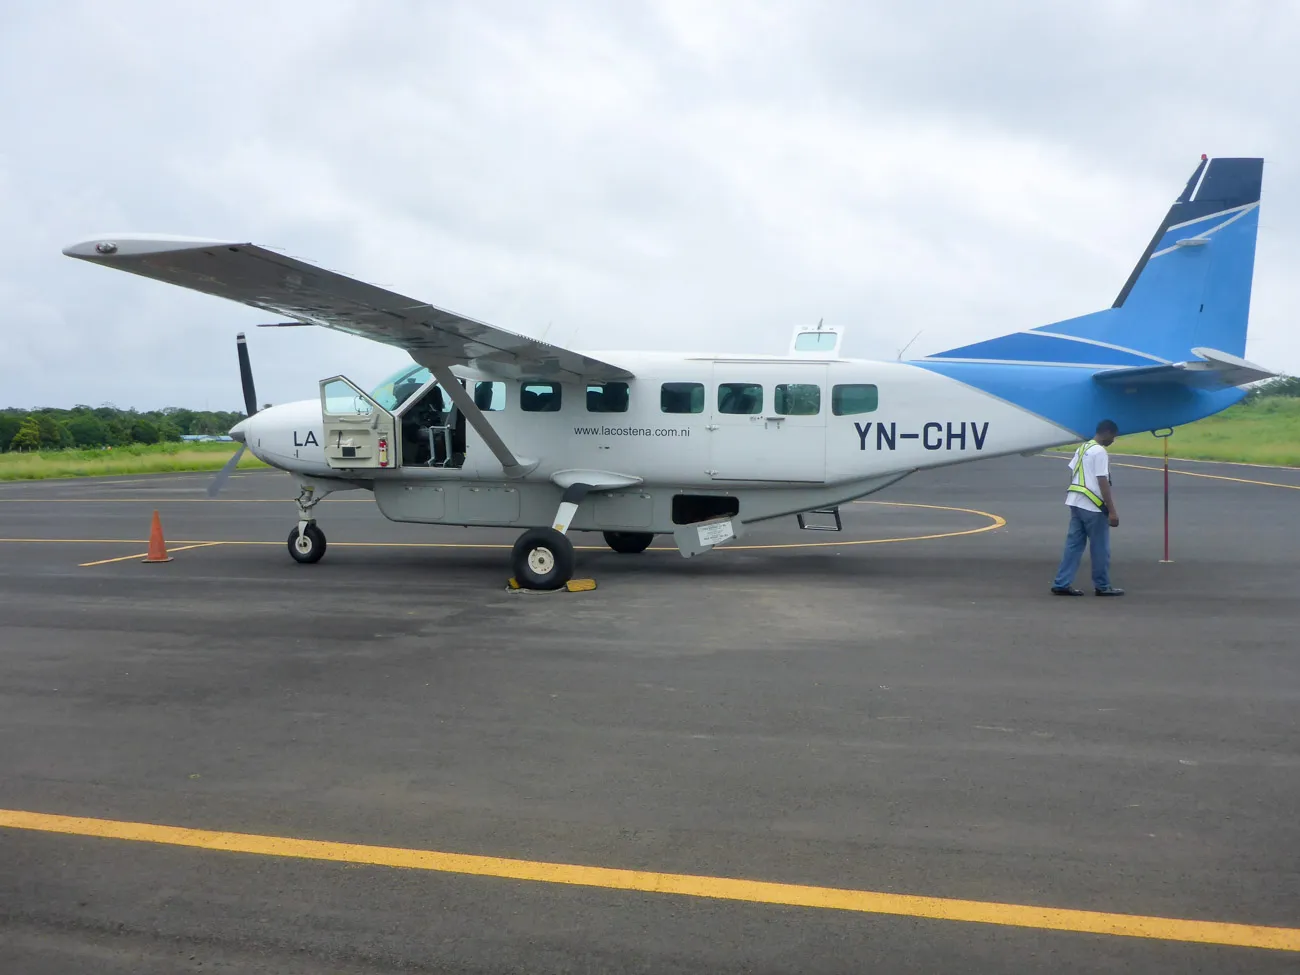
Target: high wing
[255, 276]
[1212, 370]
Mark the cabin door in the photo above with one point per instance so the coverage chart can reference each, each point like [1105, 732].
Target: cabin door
[768, 421]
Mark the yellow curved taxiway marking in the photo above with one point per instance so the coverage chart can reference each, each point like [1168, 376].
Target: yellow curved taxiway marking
[995, 522]
[685, 885]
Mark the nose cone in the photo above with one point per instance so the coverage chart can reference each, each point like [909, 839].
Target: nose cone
[239, 430]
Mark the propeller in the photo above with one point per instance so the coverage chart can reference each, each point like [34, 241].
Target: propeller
[250, 407]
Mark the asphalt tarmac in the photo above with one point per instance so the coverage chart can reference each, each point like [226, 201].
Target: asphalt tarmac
[901, 712]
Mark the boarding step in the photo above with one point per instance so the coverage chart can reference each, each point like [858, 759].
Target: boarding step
[832, 512]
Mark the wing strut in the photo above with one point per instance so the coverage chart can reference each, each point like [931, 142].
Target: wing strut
[512, 465]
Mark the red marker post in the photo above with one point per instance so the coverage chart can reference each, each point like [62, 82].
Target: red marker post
[1164, 435]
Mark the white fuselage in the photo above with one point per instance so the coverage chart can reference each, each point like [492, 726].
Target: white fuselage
[772, 463]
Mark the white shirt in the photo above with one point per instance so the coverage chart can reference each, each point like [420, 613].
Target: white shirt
[1096, 463]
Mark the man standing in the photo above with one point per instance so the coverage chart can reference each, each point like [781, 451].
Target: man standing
[1092, 515]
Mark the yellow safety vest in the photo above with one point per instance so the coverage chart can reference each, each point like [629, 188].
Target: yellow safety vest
[1079, 484]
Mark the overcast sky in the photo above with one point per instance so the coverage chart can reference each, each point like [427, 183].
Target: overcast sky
[691, 175]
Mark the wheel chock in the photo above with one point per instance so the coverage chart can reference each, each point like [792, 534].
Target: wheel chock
[573, 585]
[157, 546]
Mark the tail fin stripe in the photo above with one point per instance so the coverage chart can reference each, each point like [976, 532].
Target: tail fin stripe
[1240, 211]
[1033, 346]
[1104, 345]
[1200, 178]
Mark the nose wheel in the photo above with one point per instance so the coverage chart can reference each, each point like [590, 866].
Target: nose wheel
[307, 545]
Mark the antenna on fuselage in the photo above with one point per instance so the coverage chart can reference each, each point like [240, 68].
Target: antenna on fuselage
[908, 345]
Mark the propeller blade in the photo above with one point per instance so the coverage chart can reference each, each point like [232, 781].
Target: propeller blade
[223, 475]
[246, 376]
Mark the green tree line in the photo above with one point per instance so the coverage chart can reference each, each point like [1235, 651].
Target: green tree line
[105, 426]
[1281, 386]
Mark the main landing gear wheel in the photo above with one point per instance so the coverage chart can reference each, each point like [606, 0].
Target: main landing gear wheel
[628, 543]
[310, 547]
[542, 559]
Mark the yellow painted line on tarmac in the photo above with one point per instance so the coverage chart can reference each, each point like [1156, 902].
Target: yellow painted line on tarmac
[684, 885]
[78, 541]
[995, 522]
[1198, 460]
[141, 555]
[176, 500]
[1212, 477]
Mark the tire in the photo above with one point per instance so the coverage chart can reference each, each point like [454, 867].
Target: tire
[542, 559]
[313, 547]
[628, 543]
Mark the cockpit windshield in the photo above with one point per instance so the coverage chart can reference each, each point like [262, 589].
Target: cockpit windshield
[399, 387]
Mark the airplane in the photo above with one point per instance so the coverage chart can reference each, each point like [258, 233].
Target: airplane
[487, 428]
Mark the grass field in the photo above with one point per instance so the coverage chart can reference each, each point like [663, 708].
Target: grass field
[1264, 432]
[135, 459]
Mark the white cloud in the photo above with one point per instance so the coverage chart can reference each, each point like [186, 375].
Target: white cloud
[673, 175]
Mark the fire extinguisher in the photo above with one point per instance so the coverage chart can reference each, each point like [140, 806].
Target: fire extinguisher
[383, 451]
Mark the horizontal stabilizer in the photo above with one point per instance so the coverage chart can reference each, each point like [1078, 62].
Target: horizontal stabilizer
[1213, 370]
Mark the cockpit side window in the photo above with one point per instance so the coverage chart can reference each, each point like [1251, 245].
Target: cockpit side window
[399, 387]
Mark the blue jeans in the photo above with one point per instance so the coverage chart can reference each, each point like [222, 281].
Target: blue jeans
[1086, 527]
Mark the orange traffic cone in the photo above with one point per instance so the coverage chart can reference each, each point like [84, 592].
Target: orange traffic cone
[157, 547]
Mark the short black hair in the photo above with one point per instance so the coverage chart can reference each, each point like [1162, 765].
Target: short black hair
[1108, 426]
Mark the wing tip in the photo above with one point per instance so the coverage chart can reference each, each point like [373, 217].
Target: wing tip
[109, 246]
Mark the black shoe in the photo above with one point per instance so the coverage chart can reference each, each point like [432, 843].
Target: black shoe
[1112, 591]
[1066, 591]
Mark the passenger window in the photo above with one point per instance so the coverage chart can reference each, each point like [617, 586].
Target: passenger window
[490, 397]
[740, 398]
[681, 398]
[851, 399]
[607, 398]
[798, 399]
[540, 398]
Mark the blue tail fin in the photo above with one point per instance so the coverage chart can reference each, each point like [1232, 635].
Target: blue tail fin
[1191, 289]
